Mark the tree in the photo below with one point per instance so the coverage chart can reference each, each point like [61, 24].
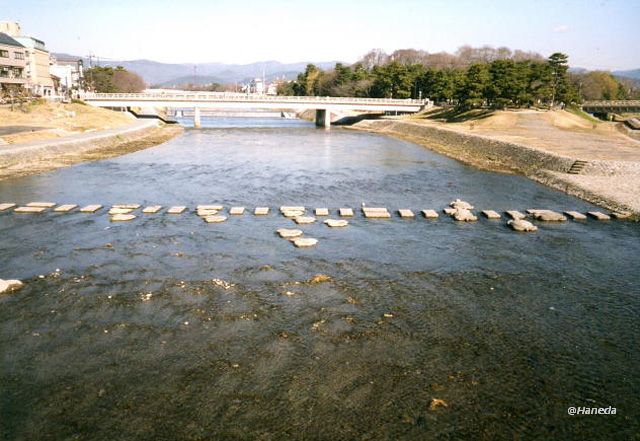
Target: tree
[109, 80]
[476, 81]
[561, 89]
[127, 82]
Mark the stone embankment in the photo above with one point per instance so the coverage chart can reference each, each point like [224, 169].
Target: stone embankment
[610, 184]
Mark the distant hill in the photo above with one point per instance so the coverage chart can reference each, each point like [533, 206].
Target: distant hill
[635, 73]
[167, 75]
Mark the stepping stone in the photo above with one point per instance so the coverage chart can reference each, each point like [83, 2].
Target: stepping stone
[345, 212]
[599, 215]
[535, 210]
[178, 209]
[6, 206]
[376, 213]
[288, 233]
[91, 208]
[117, 210]
[207, 212]
[65, 208]
[261, 211]
[209, 207]
[41, 204]
[304, 242]
[548, 216]
[291, 208]
[515, 215]
[406, 214]
[292, 213]
[575, 215]
[430, 214]
[126, 206]
[151, 209]
[322, 212]
[215, 219]
[334, 223]
[450, 211]
[490, 214]
[464, 215]
[522, 225]
[617, 215]
[461, 204]
[29, 209]
[236, 211]
[304, 220]
[122, 217]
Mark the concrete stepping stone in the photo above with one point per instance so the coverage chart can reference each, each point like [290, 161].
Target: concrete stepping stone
[122, 217]
[450, 211]
[261, 211]
[126, 206]
[406, 213]
[41, 204]
[430, 214]
[291, 208]
[65, 208]
[617, 215]
[575, 215]
[598, 215]
[207, 212]
[345, 212]
[548, 216]
[152, 209]
[376, 213]
[305, 242]
[209, 207]
[215, 219]
[522, 225]
[178, 209]
[336, 223]
[322, 211]
[10, 285]
[464, 215]
[515, 214]
[461, 204]
[292, 213]
[6, 206]
[289, 233]
[90, 208]
[236, 211]
[116, 210]
[491, 214]
[29, 209]
[304, 219]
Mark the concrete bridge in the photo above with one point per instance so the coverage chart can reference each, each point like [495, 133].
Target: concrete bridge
[620, 106]
[216, 100]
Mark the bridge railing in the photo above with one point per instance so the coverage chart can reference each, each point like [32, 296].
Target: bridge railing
[612, 103]
[238, 97]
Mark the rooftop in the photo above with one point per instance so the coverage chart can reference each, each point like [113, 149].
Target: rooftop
[5, 39]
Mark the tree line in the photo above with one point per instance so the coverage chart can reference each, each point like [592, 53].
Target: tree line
[473, 77]
[113, 80]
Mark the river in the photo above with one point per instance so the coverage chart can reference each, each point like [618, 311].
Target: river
[170, 328]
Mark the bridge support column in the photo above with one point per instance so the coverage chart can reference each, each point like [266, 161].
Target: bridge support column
[323, 118]
[196, 117]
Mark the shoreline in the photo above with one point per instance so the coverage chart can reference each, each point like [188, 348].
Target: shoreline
[544, 167]
[18, 160]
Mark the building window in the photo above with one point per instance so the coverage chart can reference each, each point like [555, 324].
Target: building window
[4, 54]
[18, 55]
[4, 72]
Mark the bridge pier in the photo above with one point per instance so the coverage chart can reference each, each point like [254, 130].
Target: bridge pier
[196, 117]
[323, 118]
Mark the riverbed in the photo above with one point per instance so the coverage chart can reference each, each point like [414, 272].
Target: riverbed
[170, 328]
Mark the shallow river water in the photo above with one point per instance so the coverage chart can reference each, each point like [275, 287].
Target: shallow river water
[180, 329]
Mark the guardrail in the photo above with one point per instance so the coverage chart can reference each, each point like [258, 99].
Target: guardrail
[612, 103]
[246, 97]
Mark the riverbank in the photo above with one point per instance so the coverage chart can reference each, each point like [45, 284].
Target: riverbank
[543, 147]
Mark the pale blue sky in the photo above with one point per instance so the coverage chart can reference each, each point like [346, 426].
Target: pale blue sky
[596, 34]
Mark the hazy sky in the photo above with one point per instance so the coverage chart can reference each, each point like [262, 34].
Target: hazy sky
[596, 34]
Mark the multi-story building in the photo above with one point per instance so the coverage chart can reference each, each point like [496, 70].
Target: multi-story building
[70, 74]
[12, 63]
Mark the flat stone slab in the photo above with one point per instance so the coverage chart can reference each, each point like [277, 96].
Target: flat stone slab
[461, 204]
[289, 233]
[122, 217]
[293, 213]
[126, 206]
[209, 207]
[304, 219]
[215, 219]
[152, 209]
[29, 209]
[6, 206]
[322, 211]
[65, 208]
[450, 211]
[515, 214]
[406, 213]
[261, 211]
[291, 208]
[336, 223]
[548, 216]
[10, 285]
[522, 225]
[617, 215]
[304, 242]
[236, 211]
[41, 204]
[464, 215]
[178, 209]
[598, 215]
[90, 208]
[207, 212]
[430, 214]
[575, 215]
[491, 214]
[116, 210]
[376, 214]
[345, 212]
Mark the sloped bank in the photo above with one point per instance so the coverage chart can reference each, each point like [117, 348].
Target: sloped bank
[36, 157]
[542, 166]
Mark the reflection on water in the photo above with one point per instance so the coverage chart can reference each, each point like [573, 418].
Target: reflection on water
[141, 340]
